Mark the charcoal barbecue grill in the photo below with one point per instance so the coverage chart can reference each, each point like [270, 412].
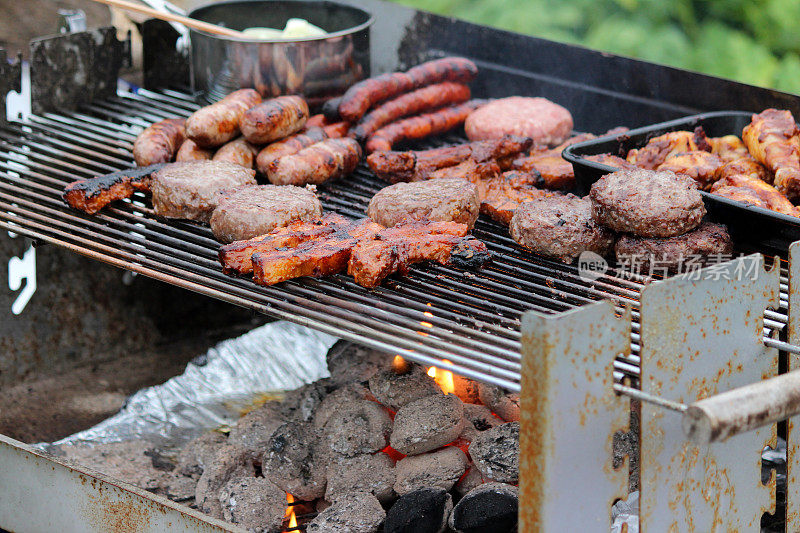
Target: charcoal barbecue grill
[469, 322]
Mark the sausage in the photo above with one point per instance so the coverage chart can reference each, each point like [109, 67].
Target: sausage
[364, 94]
[425, 99]
[326, 160]
[288, 146]
[189, 151]
[218, 123]
[316, 121]
[337, 129]
[331, 108]
[239, 152]
[422, 126]
[159, 142]
[274, 119]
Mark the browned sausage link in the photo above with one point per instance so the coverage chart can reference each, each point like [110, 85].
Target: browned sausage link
[363, 95]
[274, 119]
[337, 129]
[288, 146]
[189, 151]
[159, 142]
[424, 99]
[326, 160]
[91, 195]
[218, 123]
[316, 121]
[422, 126]
[239, 152]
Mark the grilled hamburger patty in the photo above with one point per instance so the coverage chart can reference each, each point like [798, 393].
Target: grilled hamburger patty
[548, 124]
[559, 226]
[438, 200]
[253, 211]
[673, 252]
[647, 203]
[191, 190]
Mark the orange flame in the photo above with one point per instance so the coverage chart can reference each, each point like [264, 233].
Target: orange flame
[443, 378]
[400, 365]
[290, 514]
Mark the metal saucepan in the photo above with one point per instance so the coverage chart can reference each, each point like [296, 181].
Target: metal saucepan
[319, 67]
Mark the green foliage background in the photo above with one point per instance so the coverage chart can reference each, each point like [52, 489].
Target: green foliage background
[755, 41]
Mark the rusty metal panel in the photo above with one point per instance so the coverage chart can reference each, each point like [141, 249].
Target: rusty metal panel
[569, 416]
[701, 334]
[41, 493]
[793, 430]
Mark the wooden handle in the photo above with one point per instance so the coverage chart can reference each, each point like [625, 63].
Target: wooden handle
[171, 17]
[744, 409]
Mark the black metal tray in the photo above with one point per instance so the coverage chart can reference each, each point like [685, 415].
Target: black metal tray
[746, 223]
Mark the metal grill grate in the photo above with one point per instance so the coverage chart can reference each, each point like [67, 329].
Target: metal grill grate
[464, 321]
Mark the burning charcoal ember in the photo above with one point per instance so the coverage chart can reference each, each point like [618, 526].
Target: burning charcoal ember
[229, 462]
[360, 513]
[441, 468]
[466, 389]
[481, 417]
[255, 428]
[426, 424]
[362, 473]
[302, 403]
[254, 503]
[350, 362]
[294, 462]
[503, 404]
[198, 453]
[495, 453]
[470, 480]
[421, 511]
[358, 428]
[395, 390]
[489, 508]
[337, 400]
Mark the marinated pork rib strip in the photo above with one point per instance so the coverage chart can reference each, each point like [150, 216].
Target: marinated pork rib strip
[274, 119]
[394, 250]
[326, 160]
[218, 123]
[772, 138]
[751, 190]
[189, 151]
[502, 195]
[364, 94]
[237, 256]
[418, 165]
[555, 171]
[658, 149]
[315, 258]
[424, 99]
[91, 195]
[239, 152]
[288, 146]
[159, 142]
[422, 126]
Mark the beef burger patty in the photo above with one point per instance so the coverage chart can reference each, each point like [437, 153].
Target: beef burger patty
[437, 200]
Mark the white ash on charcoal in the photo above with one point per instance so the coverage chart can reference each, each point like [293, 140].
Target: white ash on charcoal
[470, 480]
[295, 462]
[466, 389]
[495, 452]
[372, 473]
[427, 424]
[301, 404]
[337, 400]
[360, 513]
[489, 508]
[421, 511]
[441, 469]
[230, 462]
[502, 403]
[254, 503]
[477, 418]
[396, 390]
[348, 362]
[358, 428]
[198, 453]
[255, 428]
[180, 488]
